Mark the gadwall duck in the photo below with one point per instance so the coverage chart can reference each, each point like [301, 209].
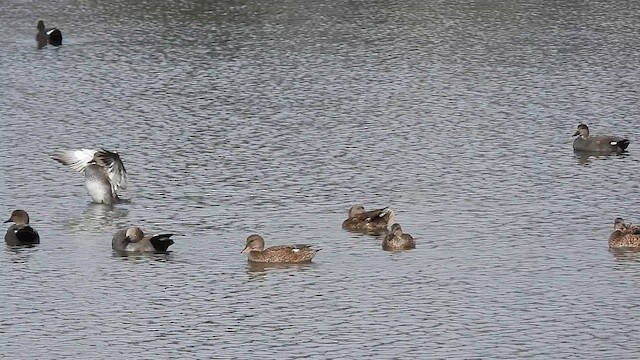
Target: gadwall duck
[601, 143]
[20, 233]
[104, 172]
[397, 240]
[372, 221]
[45, 36]
[133, 240]
[299, 253]
[624, 235]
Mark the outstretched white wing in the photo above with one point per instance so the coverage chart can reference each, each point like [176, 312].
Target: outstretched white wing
[110, 161]
[78, 160]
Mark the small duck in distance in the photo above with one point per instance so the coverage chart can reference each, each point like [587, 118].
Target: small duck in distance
[397, 240]
[598, 144]
[624, 235]
[372, 221]
[104, 172]
[51, 36]
[133, 240]
[20, 233]
[298, 253]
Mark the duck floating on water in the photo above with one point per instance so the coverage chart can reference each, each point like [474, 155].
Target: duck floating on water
[372, 221]
[51, 36]
[299, 253]
[397, 240]
[624, 235]
[133, 240]
[20, 233]
[598, 144]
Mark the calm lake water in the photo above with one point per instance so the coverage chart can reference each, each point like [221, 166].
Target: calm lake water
[275, 117]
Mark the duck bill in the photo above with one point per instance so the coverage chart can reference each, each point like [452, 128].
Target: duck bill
[245, 250]
[576, 133]
[7, 221]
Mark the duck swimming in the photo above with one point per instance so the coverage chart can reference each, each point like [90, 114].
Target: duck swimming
[372, 221]
[624, 235]
[299, 253]
[20, 233]
[51, 36]
[397, 240]
[133, 240]
[598, 144]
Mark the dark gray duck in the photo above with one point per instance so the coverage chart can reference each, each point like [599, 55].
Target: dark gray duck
[51, 36]
[20, 233]
[599, 143]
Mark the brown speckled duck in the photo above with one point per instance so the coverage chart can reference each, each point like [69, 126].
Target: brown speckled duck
[397, 240]
[299, 253]
[624, 235]
[372, 221]
[20, 233]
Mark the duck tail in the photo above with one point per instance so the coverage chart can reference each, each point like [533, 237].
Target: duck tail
[622, 144]
[55, 37]
[161, 242]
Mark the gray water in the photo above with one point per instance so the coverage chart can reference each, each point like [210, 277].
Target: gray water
[275, 117]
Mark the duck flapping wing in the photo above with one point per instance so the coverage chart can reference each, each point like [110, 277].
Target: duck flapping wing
[78, 160]
[115, 168]
[110, 161]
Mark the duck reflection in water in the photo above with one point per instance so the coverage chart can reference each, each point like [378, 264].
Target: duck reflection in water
[587, 157]
[97, 217]
[260, 269]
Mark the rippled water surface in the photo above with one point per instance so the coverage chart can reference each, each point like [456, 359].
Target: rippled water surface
[274, 117]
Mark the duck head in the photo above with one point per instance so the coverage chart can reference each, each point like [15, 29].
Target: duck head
[255, 242]
[19, 217]
[583, 131]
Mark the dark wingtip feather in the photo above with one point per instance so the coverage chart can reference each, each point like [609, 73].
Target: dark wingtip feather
[622, 144]
[161, 242]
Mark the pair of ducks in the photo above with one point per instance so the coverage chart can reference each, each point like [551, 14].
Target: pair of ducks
[375, 222]
[105, 173]
[623, 235]
[130, 240]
